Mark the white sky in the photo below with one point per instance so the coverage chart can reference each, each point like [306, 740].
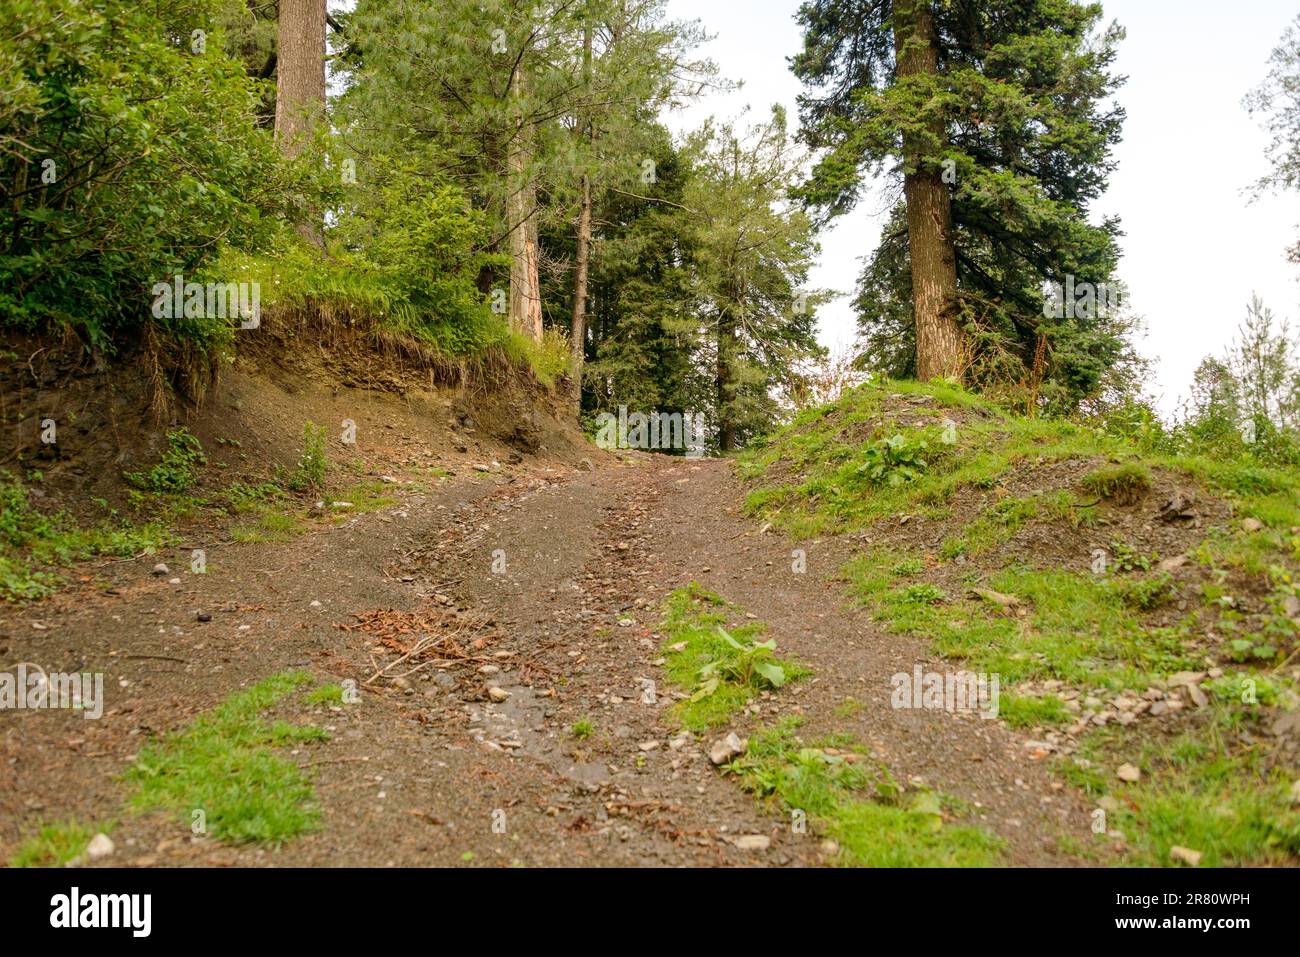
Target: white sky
[1194, 249]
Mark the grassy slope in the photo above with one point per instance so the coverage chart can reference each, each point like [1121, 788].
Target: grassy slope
[1000, 488]
[830, 785]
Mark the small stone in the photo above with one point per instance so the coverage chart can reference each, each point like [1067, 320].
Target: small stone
[204, 616]
[161, 569]
[753, 842]
[829, 848]
[1249, 525]
[586, 465]
[1185, 678]
[498, 694]
[1129, 773]
[1196, 696]
[648, 746]
[401, 684]
[727, 749]
[1173, 564]
[1295, 793]
[101, 845]
[1185, 855]
[1108, 804]
[489, 670]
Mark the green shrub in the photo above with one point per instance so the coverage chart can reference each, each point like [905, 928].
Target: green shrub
[309, 474]
[894, 461]
[177, 470]
[130, 159]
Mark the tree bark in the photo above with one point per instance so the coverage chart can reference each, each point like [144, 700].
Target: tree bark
[582, 254]
[300, 72]
[525, 284]
[939, 340]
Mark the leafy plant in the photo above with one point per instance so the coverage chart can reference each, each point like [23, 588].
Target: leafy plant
[894, 461]
[177, 470]
[312, 463]
[751, 663]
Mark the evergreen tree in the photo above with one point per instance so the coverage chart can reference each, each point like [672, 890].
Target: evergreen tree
[1003, 104]
[751, 256]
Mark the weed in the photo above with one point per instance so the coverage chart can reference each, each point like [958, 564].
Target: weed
[178, 468]
[722, 669]
[309, 473]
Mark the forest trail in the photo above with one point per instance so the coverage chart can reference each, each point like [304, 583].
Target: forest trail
[431, 770]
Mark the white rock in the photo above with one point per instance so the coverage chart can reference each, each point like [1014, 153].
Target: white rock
[101, 845]
[753, 842]
[1129, 773]
[498, 694]
[727, 749]
[1185, 855]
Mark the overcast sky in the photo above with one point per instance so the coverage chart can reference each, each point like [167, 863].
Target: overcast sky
[1194, 247]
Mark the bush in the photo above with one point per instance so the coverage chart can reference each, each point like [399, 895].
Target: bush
[130, 159]
[894, 461]
[310, 471]
[178, 468]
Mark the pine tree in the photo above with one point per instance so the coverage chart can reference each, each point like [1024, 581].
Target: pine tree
[1003, 104]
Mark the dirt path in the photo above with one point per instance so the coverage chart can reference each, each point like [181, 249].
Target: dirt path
[553, 581]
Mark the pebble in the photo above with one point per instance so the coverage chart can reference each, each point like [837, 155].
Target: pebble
[1185, 855]
[1129, 773]
[161, 569]
[101, 845]
[204, 616]
[727, 749]
[753, 842]
[498, 694]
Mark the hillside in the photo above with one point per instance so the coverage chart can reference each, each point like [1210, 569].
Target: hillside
[1140, 607]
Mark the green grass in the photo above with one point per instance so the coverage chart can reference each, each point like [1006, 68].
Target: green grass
[177, 470]
[224, 765]
[271, 526]
[35, 545]
[1079, 628]
[854, 802]
[1124, 484]
[721, 677]
[1195, 793]
[326, 694]
[1021, 711]
[582, 729]
[54, 845]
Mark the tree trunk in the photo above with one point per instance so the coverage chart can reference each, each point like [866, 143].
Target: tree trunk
[939, 342]
[525, 290]
[300, 87]
[582, 255]
[300, 72]
[581, 267]
[725, 380]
